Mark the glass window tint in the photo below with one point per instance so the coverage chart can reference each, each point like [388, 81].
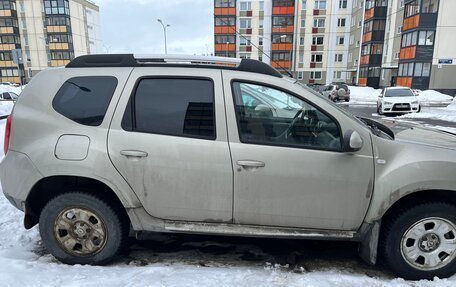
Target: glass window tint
[272, 117]
[85, 99]
[178, 107]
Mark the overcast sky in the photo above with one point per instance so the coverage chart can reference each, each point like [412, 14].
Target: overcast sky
[131, 26]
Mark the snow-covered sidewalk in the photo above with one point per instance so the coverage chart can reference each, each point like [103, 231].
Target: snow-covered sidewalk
[444, 114]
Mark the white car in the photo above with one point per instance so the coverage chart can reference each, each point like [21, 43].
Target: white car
[397, 100]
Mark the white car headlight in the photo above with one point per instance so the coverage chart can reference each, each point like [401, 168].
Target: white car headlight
[388, 103]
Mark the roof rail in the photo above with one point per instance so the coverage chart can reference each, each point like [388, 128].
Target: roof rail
[136, 60]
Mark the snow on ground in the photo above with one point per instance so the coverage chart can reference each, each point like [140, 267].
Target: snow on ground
[432, 97]
[178, 260]
[444, 114]
[363, 95]
[7, 106]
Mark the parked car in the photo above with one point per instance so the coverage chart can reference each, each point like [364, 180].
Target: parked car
[417, 92]
[336, 92]
[397, 100]
[112, 146]
[9, 96]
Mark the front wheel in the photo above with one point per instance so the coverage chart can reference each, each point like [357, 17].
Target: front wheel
[420, 242]
[379, 110]
[78, 228]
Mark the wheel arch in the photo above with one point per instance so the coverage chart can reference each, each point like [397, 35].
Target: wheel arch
[49, 187]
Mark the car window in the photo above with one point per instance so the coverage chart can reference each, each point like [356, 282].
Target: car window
[282, 119]
[399, 93]
[14, 96]
[6, 96]
[85, 100]
[177, 107]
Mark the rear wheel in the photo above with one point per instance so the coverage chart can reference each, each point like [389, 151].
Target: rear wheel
[420, 243]
[78, 228]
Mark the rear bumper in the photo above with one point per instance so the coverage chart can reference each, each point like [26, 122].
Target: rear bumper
[18, 175]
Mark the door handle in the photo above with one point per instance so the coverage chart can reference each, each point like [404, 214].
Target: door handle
[251, 163]
[133, 153]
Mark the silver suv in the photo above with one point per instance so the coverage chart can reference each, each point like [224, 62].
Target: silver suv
[113, 146]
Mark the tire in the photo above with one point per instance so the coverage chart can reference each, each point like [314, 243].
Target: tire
[419, 109]
[397, 241]
[379, 110]
[79, 228]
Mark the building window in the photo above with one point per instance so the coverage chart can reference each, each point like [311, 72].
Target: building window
[303, 22]
[244, 56]
[245, 6]
[261, 23]
[399, 30]
[225, 3]
[320, 4]
[244, 41]
[319, 22]
[340, 40]
[352, 39]
[300, 75]
[223, 39]
[430, 6]
[303, 4]
[317, 40]
[260, 41]
[341, 22]
[412, 8]
[343, 4]
[396, 55]
[282, 21]
[225, 21]
[357, 43]
[301, 57]
[53, 7]
[426, 38]
[337, 75]
[409, 39]
[281, 56]
[261, 5]
[301, 41]
[338, 58]
[245, 23]
[315, 75]
[316, 58]
[353, 21]
[350, 57]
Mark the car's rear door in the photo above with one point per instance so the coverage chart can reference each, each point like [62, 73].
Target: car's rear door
[168, 139]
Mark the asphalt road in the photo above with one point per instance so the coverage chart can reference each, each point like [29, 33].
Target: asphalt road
[370, 111]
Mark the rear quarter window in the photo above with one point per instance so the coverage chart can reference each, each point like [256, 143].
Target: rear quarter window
[85, 100]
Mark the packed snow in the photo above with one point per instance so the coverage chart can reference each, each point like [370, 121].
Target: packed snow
[186, 260]
[7, 106]
[369, 96]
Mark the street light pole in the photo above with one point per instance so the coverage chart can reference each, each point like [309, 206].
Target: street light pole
[164, 32]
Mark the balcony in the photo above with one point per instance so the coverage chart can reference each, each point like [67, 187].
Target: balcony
[281, 64]
[56, 29]
[225, 30]
[283, 29]
[59, 46]
[225, 47]
[282, 46]
[408, 53]
[283, 10]
[225, 11]
[59, 63]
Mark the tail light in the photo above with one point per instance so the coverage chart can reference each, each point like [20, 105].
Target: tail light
[7, 134]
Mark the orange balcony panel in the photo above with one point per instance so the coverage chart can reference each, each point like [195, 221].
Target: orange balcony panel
[411, 22]
[286, 29]
[225, 11]
[404, 81]
[283, 10]
[282, 47]
[367, 37]
[225, 47]
[281, 64]
[225, 29]
[407, 53]
[362, 82]
[368, 14]
[364, 60]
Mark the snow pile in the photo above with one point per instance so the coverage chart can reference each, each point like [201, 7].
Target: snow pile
[430, 97]
[363, 95]
[9, 88]
[7, 106]
[452, 106]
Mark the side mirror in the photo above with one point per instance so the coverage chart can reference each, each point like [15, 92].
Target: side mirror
[352, 141]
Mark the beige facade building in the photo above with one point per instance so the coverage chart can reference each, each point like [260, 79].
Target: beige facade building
[49, 33]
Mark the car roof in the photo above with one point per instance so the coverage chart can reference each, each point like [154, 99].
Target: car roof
[397, 88]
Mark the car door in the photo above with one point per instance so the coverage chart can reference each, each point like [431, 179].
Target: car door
[297, 175]
[168, 139]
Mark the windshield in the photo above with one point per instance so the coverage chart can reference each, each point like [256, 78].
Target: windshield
[399, 93]
[370, 124]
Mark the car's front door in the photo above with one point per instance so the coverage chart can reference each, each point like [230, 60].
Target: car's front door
[289, 169]
[168, 139]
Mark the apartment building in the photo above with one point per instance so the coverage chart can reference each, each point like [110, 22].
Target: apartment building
[375, 43]
[50, 33]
